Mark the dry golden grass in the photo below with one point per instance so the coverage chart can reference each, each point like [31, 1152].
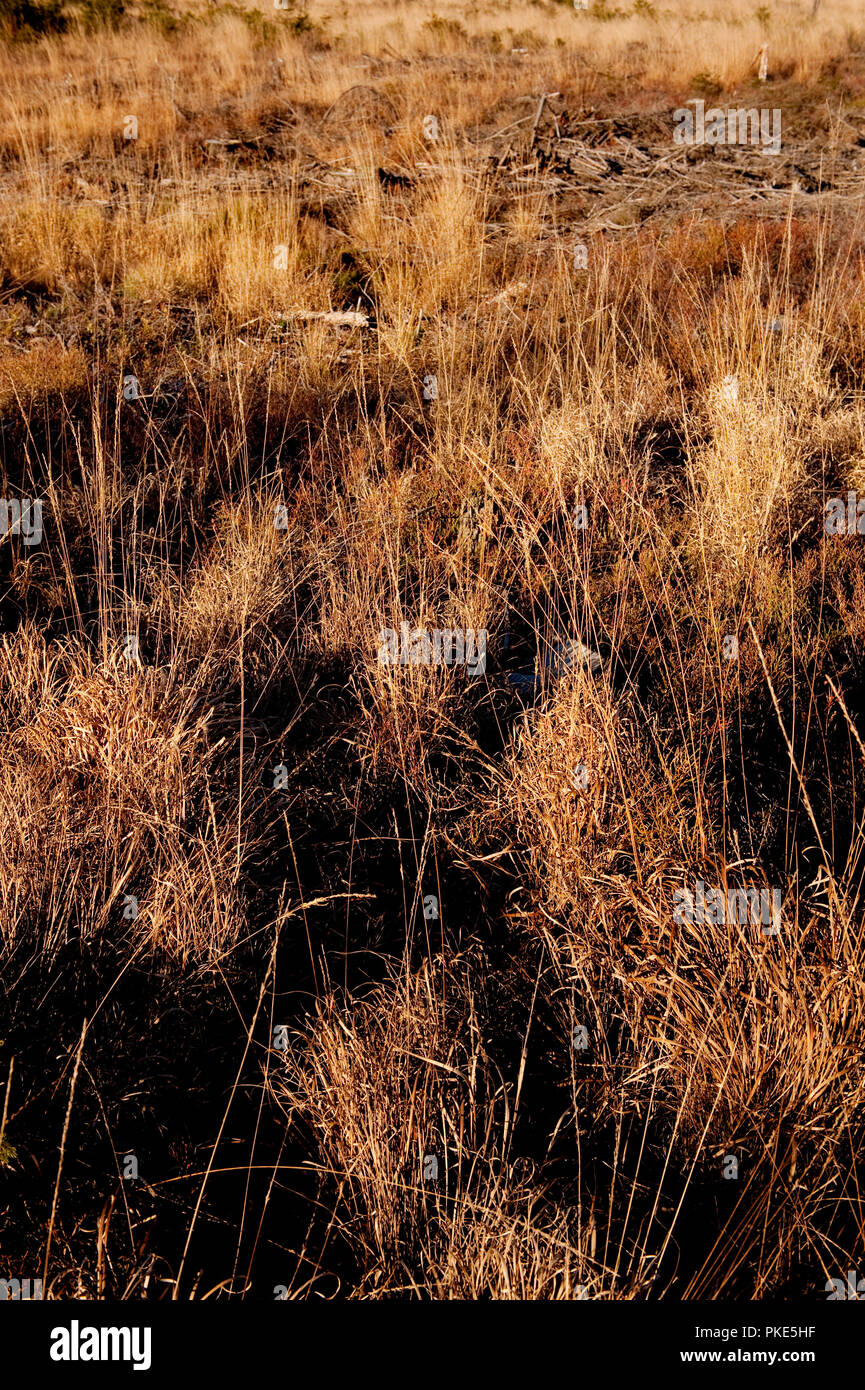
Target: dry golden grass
[403, 864]
[403, 1079]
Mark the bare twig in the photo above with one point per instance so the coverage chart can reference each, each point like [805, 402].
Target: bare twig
[78, 1052]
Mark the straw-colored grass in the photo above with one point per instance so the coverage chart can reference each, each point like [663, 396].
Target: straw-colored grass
[222, 814]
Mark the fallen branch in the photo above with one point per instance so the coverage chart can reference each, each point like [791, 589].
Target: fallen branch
[540, 111]
[340, 318]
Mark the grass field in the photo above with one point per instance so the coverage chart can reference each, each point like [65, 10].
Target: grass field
[333, 966]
